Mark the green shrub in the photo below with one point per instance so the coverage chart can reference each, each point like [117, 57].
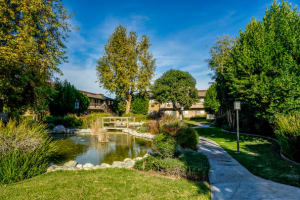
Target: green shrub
[87, 120]
[70, 121]
[287, 131]
[167, 119]
[143, 129]
[197, 163]
[190, 164]
[173, 127]
[138, 117]
[187, 138]
[169, 166]
[25, 150]
[164, 145]
[140, 105]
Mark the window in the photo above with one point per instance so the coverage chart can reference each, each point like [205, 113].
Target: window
[186, 112]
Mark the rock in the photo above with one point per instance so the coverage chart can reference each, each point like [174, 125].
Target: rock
[97, 167]
[129, 164]
[59, 129]
[58, 168]
[146, 155]
[117, 164]
[105, 165]
[51, 168]
[70, 163]
[71, 168]
[127, 159]
[87, 165]
[138, 158]
[79, 166]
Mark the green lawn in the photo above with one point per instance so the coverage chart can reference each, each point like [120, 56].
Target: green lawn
[104, 184]
[259, 156]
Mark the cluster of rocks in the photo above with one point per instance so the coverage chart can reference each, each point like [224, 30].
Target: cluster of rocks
[137, 134]
[73, 165]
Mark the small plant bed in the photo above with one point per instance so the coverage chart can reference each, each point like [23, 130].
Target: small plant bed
[104, 184]
[190, 164]
[261, 157]
[173, 152]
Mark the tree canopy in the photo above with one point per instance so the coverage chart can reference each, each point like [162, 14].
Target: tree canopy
[177, 87]
[63, 99]
[126, 67]
[32, 35]
[261, 68]
[211, 101]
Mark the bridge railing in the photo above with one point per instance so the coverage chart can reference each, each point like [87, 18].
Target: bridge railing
[117, 122]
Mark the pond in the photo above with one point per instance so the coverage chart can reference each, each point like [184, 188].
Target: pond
[87, 149]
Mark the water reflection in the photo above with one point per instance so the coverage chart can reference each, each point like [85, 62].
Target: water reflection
[87, 149]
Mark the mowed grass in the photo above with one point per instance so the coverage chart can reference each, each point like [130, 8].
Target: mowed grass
[259, 156]
[104, 184]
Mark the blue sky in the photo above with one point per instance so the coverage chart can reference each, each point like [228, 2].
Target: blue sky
[181, 33]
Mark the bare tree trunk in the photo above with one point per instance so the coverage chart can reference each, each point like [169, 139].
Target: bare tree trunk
[128, 104]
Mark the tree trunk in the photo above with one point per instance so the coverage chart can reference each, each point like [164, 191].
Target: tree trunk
[128, 104]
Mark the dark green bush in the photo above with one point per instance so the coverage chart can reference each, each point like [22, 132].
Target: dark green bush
[70, 121]
[164, 145]
[25, 151]
[173, 127]
[63, 99]
[190, 164]
[187, 138]
[140, 105]
[288, 134]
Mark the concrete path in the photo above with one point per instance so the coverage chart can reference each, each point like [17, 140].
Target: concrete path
[230, 180]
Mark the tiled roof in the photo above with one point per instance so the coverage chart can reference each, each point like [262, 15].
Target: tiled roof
[93, 95]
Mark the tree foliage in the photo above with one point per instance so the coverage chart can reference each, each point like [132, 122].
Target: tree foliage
[63, 100]
[211, 101]
[140, 104]
[127, 66]
[262, 67]
[176, 87]
[32, 35]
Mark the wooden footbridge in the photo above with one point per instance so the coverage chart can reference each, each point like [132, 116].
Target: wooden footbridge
[118, 123]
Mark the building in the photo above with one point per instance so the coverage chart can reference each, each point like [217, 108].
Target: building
[197, 109]
[98, 102]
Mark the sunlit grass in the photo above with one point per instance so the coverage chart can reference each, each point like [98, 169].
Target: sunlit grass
[104, 184]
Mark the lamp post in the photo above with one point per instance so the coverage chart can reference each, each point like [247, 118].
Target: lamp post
[237, 107]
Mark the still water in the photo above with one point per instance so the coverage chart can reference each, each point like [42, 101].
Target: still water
[87, 149]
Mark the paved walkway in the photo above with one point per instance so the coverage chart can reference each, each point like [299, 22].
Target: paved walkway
[230, 180]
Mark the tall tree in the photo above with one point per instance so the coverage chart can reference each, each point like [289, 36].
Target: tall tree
[211, 101]
[32, 35]
[126, 67]
[262, 68]
[63, 99]
[177, 87]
